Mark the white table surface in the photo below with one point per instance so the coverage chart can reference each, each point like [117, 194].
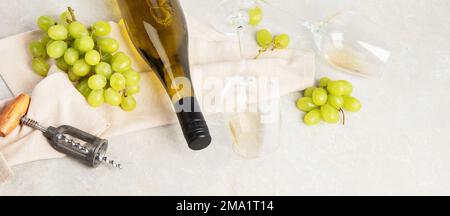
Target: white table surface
[399, 144]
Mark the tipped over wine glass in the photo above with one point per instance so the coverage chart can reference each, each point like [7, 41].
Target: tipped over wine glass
[254, 124]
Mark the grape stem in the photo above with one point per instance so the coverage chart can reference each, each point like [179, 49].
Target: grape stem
[72, 14]
[92, 31]
[343, 116]
[263, 50]
[123, 93]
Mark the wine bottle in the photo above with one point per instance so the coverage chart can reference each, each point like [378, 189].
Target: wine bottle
[158, 30]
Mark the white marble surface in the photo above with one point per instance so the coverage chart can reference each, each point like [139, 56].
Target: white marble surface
[397, 145]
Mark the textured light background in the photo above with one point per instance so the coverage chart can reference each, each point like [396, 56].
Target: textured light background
[399, 144]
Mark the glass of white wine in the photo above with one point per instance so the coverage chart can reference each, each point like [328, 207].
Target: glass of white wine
[254, 122]
[348, 41]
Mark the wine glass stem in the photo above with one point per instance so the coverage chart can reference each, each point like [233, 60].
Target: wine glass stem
[243, 60]
[241, 47]
[310, 25]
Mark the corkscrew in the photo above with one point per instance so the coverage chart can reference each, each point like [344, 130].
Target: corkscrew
[65, 139]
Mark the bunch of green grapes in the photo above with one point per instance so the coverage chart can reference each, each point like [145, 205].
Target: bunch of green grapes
[268, 42]
[327, 101]
[90, 59]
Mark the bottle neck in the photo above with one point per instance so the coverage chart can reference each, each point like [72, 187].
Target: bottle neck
[193, 124]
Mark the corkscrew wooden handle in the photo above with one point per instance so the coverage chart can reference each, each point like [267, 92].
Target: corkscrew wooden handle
[12, 113]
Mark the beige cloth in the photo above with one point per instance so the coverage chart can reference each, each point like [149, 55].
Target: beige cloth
[55, 101]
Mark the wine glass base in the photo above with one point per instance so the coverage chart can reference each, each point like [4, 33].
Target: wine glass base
[230, 15]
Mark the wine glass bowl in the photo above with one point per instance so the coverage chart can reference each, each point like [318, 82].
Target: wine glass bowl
[351, 43]
[254, 123]
[347, 41]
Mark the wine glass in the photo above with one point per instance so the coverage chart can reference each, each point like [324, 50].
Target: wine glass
[254, 123]
[347, 41]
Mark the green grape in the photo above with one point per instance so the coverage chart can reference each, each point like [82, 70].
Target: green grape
[255, 15]
[81, 68]
[335, 101]
[347, 86]
[62, 65]
[108, 45]
[83, 88]
[323, 83]
[104, 69]
[306, 104]
[40, 66]
[132, 77]
[264, 38]
[319, 96]
[45, 22]
[282, 41]
[131, 90]
[128, 103]
[113, 97]
[352, 104]
[101, 29]
[37, 49]
[92, 57]
[336, 87]
[117, 81]
[329, 114]
[118, 55]
[78, 30]
[71, 56]
[58, 32]
[96, 98]
[120, 63]
[106, 57]
[84, 44]
[313, 117]
[308, 92]
[48, 43]
[97, 82]
[56, 49]
[45, 39]
[72, 76]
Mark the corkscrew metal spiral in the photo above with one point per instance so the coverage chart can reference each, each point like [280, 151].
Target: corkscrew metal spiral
[104, 159]
[33, 124]
[72, 143]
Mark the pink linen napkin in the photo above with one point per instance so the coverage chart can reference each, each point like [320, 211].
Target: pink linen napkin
[56, 102]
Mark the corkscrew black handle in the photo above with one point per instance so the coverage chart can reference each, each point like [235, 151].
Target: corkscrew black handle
[193, 123]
